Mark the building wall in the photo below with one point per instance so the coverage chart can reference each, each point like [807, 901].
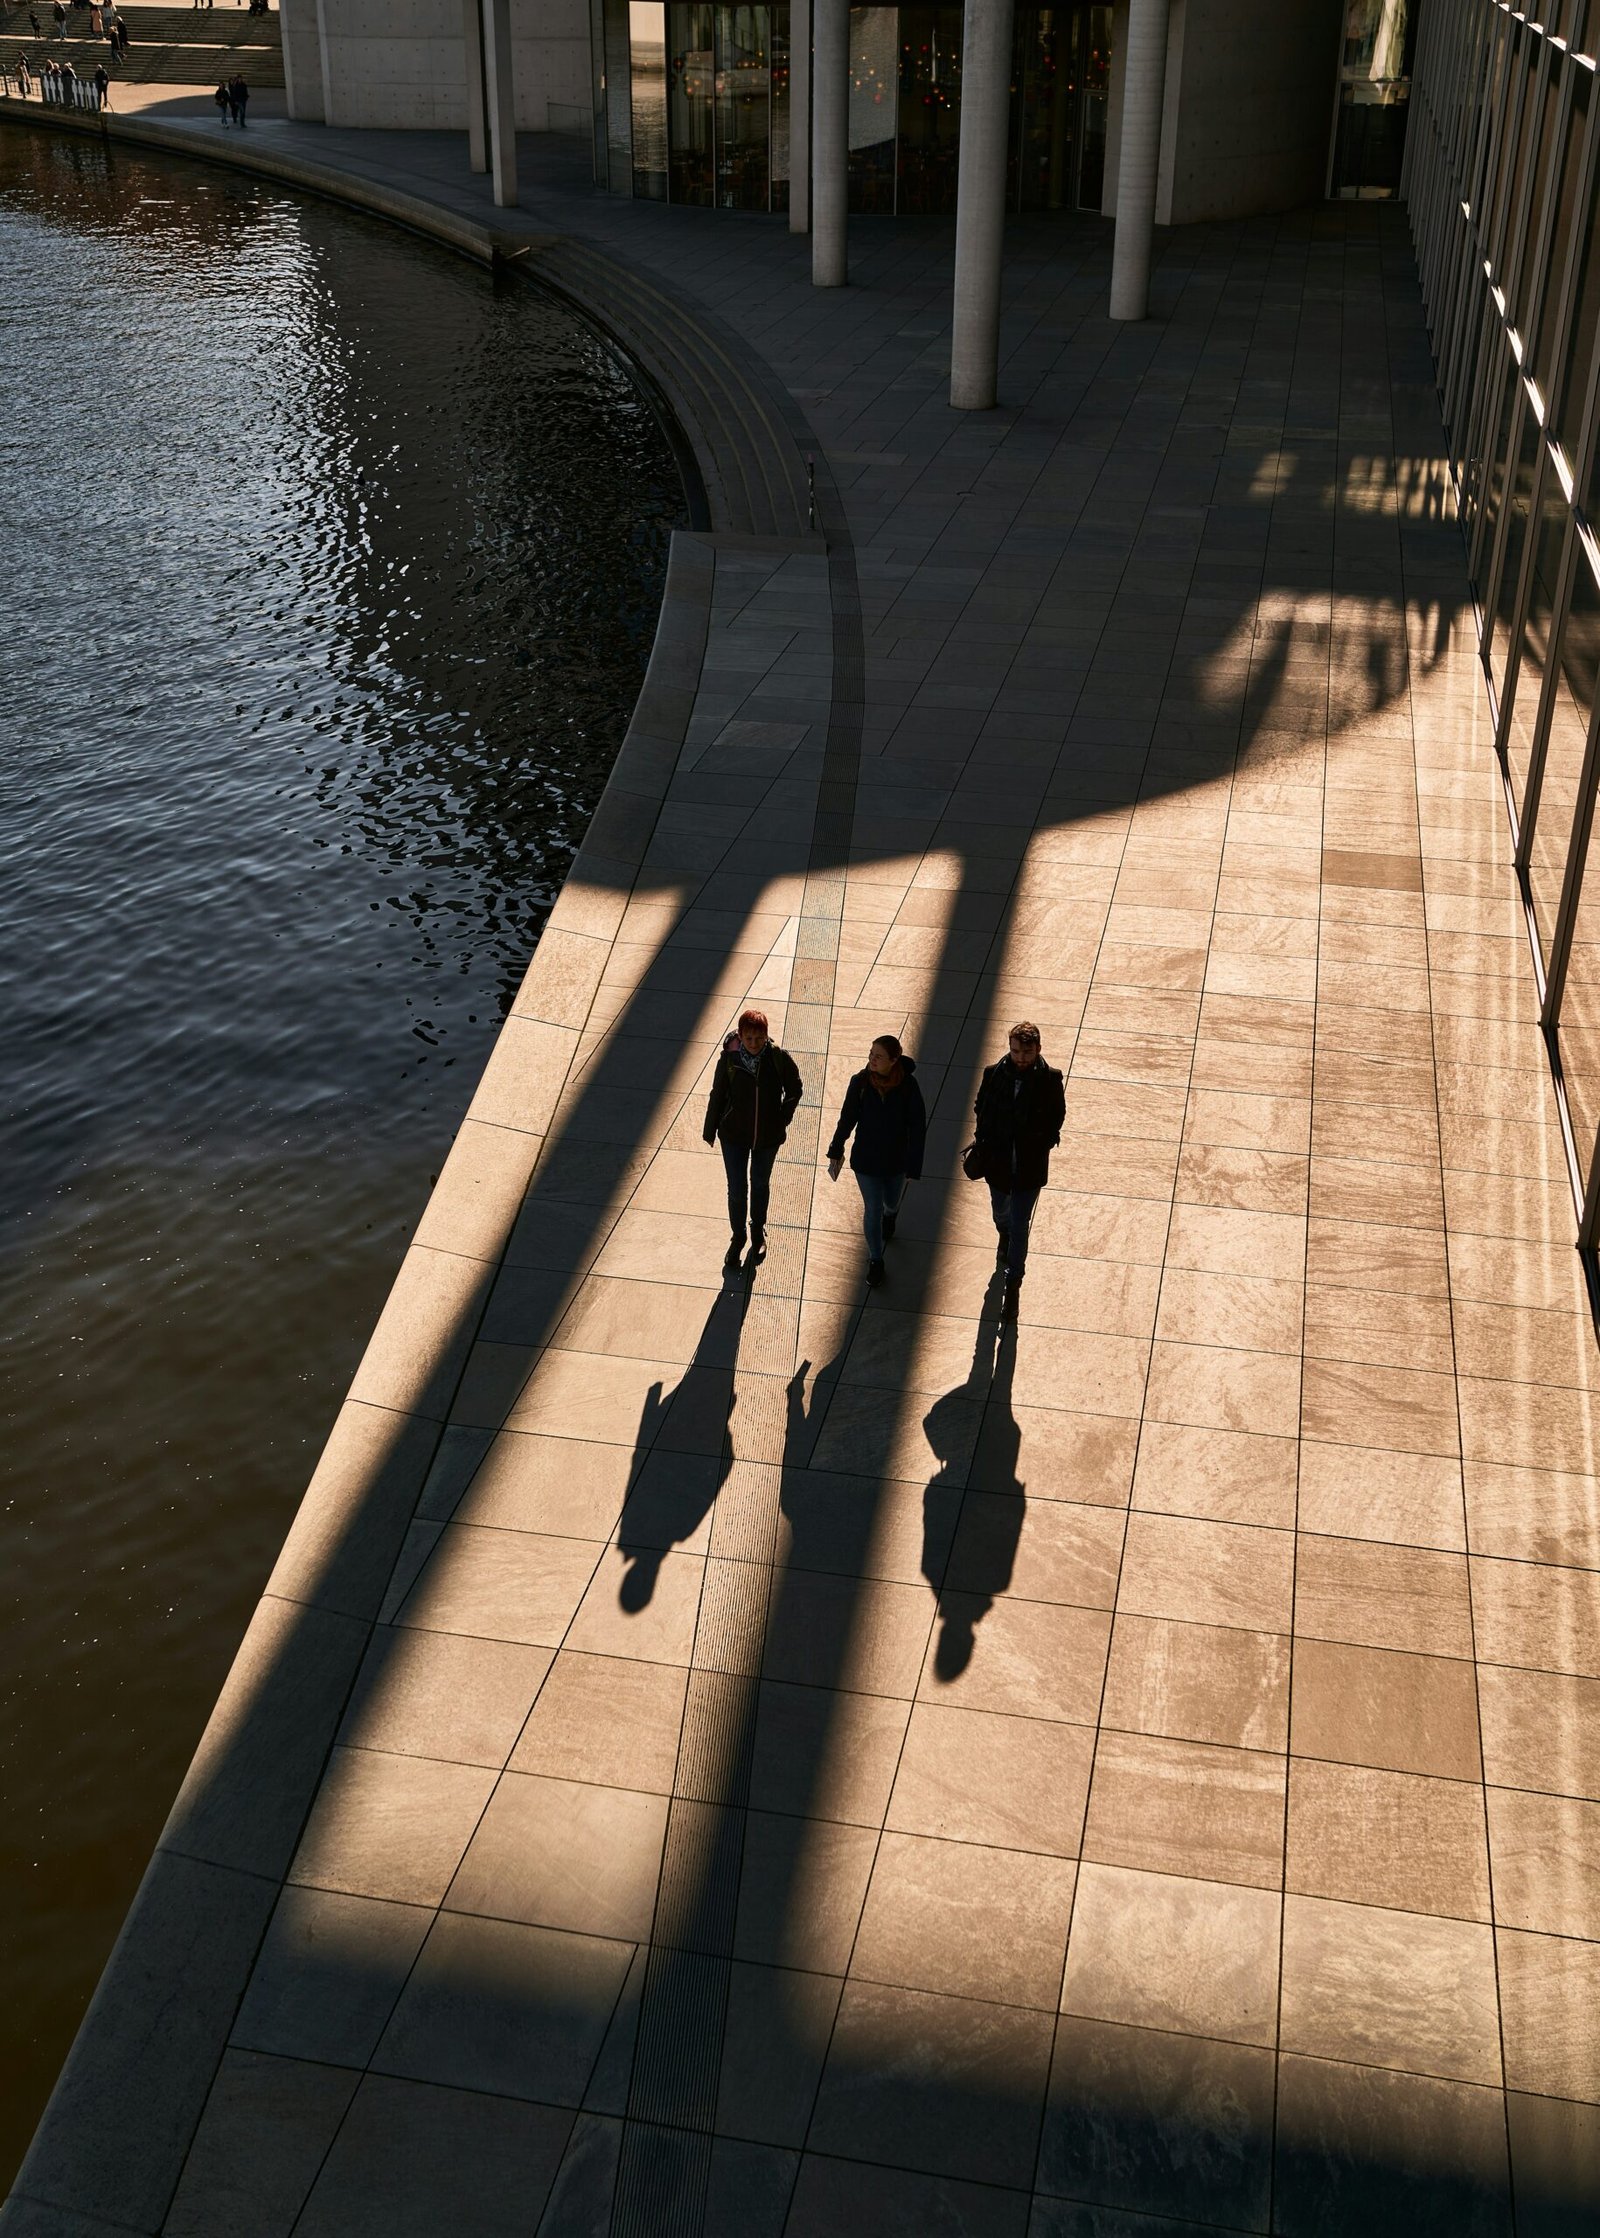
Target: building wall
[400, 63]
[1248, 109]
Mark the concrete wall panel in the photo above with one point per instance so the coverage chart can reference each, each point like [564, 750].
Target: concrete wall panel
[1254, 107]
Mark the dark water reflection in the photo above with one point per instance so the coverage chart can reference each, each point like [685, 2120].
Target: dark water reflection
[331, 572]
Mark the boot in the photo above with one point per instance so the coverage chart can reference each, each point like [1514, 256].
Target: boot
[758, 1243]
[1002, 1249]
[735, 1258]
[874, 1273]
[1011, 1300]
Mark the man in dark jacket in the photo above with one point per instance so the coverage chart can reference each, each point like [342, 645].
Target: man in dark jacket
[884, 1110]
[755, 1091]
[1020, 1107]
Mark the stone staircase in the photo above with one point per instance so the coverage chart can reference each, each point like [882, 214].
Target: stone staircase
[167, 46]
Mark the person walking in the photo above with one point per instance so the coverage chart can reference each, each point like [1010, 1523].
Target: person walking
[102, 85]
[755, 1092]
[1020, 1107]
[884, 1112]
[238, 99]
[60, 13]
[24, 80]
[96, 27]
[224, 102]
[33, 18]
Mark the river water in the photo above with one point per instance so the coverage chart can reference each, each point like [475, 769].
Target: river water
[331, 570]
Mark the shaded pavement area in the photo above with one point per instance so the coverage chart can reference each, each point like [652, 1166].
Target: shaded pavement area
[827, 1762]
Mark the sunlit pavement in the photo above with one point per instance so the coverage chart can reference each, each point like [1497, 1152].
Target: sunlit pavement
[829, 1764]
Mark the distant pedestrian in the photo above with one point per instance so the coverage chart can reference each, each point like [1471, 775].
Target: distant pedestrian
[1020, 1109]
[33, 18]
[884, 1111]
[238, 97]
[224, 104]
[24, 80]
[102, 85]
[123, 39]
[69, 85]
[96, 25]
[755, 1092]
[60, 13]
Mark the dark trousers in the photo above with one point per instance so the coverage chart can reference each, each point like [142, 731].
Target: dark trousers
[1013, 1216]
[749, 1184]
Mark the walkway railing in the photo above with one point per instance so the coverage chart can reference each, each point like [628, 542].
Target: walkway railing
[53, 91]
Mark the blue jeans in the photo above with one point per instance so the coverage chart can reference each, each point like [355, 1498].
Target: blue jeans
[1013, 1216]
[880, 1193]
[749, 1183]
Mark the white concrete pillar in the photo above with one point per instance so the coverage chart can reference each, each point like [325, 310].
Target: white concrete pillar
[830, 143]
[799, 116]
[981, 204]
[501, 101]
[477, 111]
[1144, 76]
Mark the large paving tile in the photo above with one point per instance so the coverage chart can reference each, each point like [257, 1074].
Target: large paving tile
[1369, 2148]
[801, 1888]
[835, 2197]
[390, 1826]
[1176, 1806]
[1387, 1837]
[1390, 1989]
[1198, 1682]
[1540, 1730]
[1545, 1851]
[1155, 1950]
[966, 1920]
[1023, 1658]
[1154, 2124]
[559, 1853]
[1366, 1595]
[609, 1720]
[1550, 2012]
[776, 2039]
[826, 1754]
[1381, 1706]
[413, 2159]
[267, 2125]
[1224, 1476]
[973, 1776]
[327, 1975]
[1207, 1573]
[495, 2006]
[943, 2085]
[443, 1694]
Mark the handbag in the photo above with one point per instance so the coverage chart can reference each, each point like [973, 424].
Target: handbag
[972, 1162]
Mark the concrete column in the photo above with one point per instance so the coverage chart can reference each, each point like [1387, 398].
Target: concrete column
[799, 116]
[981, 203]
[477, 111]
[500, 103]
[830, 142]
[1144, 76]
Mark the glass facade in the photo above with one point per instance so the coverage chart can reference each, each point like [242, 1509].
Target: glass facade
[692, 105]
[1504, 190]
[1369, 128]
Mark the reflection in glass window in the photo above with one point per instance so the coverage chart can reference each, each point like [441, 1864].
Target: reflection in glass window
[1578, 1032]
[691, 96]
[1566, 210]
[647, 64]
[874, 61]
[744, 107]
[1529, 451]
[1571, 699]
[1374, 91]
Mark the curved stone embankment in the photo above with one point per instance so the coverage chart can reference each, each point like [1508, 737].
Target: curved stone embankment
[110, 2152]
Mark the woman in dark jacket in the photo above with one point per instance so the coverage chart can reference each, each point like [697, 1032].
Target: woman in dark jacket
[1021, 1105]
[883, 1109]
[754, 1094]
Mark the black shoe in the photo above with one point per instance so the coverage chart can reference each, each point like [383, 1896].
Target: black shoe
[1009, 1303]
[1002, 1249]
[758, 1243]
[735, 1256]
[874, 1273]
[888, 1227]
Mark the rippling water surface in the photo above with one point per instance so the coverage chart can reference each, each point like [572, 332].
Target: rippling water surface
[331, 571]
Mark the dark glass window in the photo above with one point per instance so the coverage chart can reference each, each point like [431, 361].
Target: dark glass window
[647, 62]
[691, 99]
[874, 74]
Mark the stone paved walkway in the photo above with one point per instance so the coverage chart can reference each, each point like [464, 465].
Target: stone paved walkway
[828, 1763]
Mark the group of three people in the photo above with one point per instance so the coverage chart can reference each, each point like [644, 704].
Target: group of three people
[1018, 1115]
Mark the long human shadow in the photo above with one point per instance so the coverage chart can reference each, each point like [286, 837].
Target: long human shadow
[250, 1801]
[670, 1497]
[969, 1577]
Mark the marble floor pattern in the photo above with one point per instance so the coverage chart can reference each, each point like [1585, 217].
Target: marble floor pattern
[830, 1762]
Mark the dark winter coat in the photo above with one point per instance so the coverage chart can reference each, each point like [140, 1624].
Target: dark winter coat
[889, 1129]
[1019, 1125]
[752, 1109]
